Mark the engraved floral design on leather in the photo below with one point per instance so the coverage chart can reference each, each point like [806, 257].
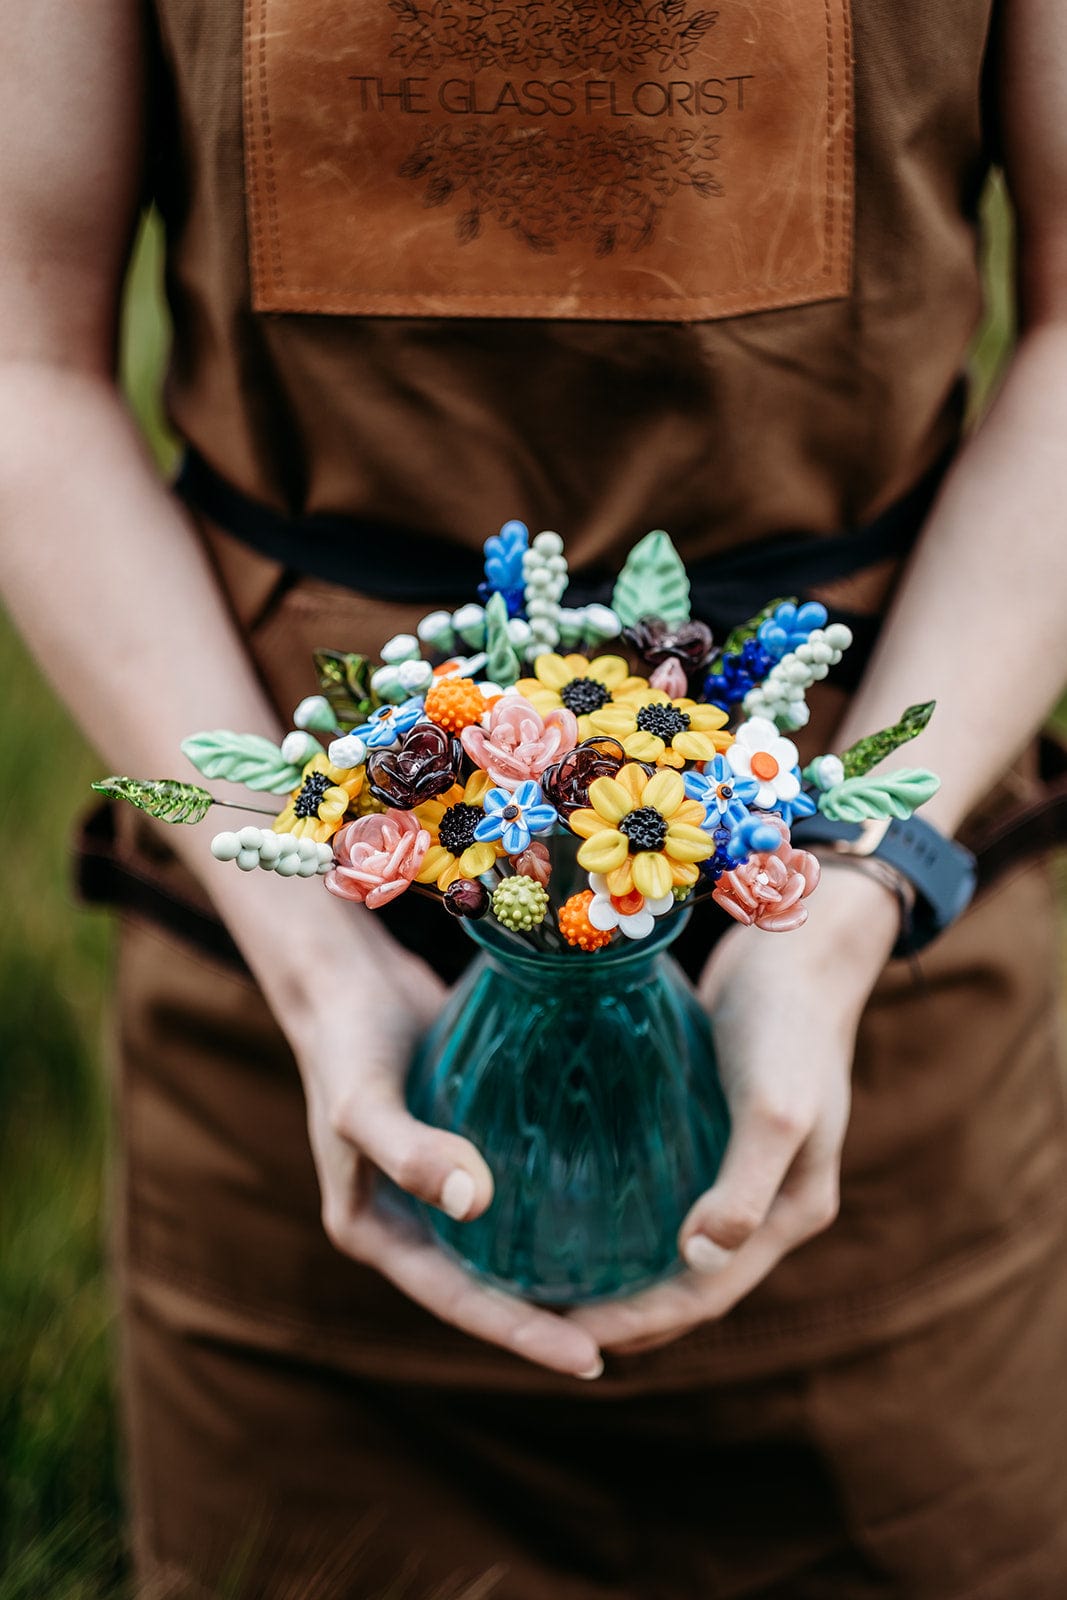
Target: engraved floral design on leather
[609, 38]
[633, 175]
[612, 158]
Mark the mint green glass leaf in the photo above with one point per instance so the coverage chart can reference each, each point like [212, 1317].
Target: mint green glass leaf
[652, 583]
[897, 794]
[344, 679]
[745, 631]
[502, 665]
[867, 753]
[242, 758]
[163, 798]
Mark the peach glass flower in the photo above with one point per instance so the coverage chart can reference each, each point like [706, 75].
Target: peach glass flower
[768, 889]
[519, 742]
[377, 857]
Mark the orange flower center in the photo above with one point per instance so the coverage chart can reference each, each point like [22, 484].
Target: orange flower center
[764, 766]
[628, 905]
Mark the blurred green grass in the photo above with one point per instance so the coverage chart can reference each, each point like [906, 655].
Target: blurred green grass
[60, 1501]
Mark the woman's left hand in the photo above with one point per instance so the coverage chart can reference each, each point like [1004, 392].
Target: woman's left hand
[785, 1010]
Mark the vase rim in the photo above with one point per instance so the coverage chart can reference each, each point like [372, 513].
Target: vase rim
[574, 963]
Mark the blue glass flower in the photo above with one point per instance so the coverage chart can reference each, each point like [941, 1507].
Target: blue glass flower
[503, 566]
[790, 626]
[724, 795]
[515, 817]
[390, 723]
[738, 673]
[750, 837]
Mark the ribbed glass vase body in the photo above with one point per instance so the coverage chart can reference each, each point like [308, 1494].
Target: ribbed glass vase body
[588, 1082]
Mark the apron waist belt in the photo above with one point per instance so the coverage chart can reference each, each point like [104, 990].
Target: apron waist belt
[726, 589]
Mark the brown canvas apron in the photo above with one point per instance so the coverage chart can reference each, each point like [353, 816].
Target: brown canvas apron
[886, 1414]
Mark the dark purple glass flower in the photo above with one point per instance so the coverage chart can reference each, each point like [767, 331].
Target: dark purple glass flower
[425, 763]
[657, 641]
[566, 782]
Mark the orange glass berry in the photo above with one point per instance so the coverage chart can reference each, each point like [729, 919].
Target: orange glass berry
[455, 704]
[575, 926]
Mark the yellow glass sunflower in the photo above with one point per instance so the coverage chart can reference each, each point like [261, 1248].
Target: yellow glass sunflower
[318, 804]
[580, 685]
[668, 732]
[642, 833]
[450, 820]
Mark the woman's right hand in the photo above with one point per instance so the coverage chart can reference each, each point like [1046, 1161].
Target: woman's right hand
[353, 1058]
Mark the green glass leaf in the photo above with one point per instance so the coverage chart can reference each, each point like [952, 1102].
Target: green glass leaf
[163, 798]
[867, 753]
[502, 665]
[736, 641]
[344, 679]
[652, 583]
[863, 799]
[242, 758]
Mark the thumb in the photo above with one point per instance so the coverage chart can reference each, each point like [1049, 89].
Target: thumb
[443, 1169]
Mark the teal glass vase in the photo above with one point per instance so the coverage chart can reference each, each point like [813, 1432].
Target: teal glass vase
[588, 1082]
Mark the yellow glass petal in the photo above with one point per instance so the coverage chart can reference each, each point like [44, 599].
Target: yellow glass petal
[611, 799]
[633, 780]
[721, 739]
[552, 671]
[665, 791]
[283, 822]
[652, 874]
[643, 746]
[450, 872]
[671, 758]
[319, 763]
[690, 811]
[684, 843]
[585, 823]
[621, 881]
[434, 861]
[615, 720]
[608, 670]
[528, 686]
[333, 805]
[684, 872]
[477, 858]
[694, 746]
[604, 851]
[478, 785]
[637, 692]
[578, 666]
[430, 814]
[704, 719]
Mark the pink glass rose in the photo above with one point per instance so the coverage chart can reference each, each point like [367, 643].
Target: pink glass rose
[376, 857]
[519, 743]
[768, 889]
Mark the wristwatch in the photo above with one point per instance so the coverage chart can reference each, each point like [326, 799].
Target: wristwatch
[941, 871]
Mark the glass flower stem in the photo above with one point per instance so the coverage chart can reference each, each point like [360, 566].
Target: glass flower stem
[240, 805]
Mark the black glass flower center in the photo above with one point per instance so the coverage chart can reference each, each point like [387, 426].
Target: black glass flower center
[583, 695]
[509, 813]
[645, 828]
[663, 721]
[457, 827]
[312, 790]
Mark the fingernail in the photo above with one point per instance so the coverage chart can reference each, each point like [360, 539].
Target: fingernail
[704, 1255]
[594, 1371]
[457, 1194]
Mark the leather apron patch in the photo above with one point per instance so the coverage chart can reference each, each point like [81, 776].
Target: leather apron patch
[613, 159]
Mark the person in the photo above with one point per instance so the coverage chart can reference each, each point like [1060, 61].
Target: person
[603, 269]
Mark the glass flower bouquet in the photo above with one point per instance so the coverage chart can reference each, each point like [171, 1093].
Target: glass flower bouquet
[570, 805]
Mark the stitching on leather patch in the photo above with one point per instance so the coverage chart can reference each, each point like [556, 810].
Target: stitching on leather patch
[620, 159]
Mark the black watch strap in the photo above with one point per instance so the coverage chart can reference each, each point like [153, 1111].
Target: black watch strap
[942, 871]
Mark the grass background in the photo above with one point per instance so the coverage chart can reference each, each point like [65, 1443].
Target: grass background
[60, 1500]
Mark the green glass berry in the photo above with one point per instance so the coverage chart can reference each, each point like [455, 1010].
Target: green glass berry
[519, 903]
[681, 892]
